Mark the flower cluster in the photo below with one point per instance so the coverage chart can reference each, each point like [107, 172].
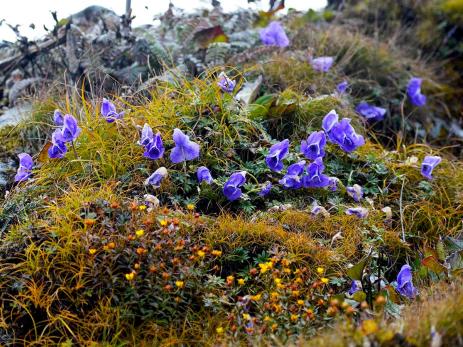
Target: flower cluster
[67, 134]
[25, 167]
[108, 111]
[274, 35]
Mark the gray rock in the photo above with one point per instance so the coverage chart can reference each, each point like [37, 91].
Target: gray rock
[249, 91]
[13, 116]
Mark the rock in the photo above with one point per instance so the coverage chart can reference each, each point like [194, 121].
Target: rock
[13, 116]
[249, 91]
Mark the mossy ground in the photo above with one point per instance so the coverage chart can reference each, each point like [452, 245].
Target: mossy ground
[84, 261]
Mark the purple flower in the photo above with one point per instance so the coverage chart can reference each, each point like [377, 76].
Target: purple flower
[343, 134]
[155, 148]
[58, 118]
[322, 64]
[226, 84]
[274, 35]
[404, 282]
[314, 146]
[355, 287]
[70, 129]
[341, 87]
[156, 177]
[359, 212]
[355, 192]
[58, 148]
[108, 110]
[292, 179]
[231, 188]
[25, 166]
[315, 177]
[184, 148]
[428, 164]
[329, 121]
[370, 112]
[266, 189]
[276, 155]
[204, 174]
[317, 209]
[333, 183]
[146, 135]
[414, 92]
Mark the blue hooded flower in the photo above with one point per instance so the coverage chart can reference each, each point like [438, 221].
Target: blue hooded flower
[108, 110]
[147, 135]
[204, 174]
[404, 282]
[265, 189]
[315, 177]
[344, 135]
[58, 118]
[58, 148]
[276, 155]
[314, 146]
[355, 287]
[156, 177]
[231, 188]
[70, 129]
[341, 87]
[25, 167]
[428, 165]
[329, 121]
[274, 35]
[359, 212]
[322, 64]
[292, 179]
[333, 184]
[184, 148]
[226, 84]
[155, 148]
[370, 112]
[355, 192]
[414, 92]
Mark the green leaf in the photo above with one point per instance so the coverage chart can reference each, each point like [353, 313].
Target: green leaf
[452, 244]
[359, 296]
[356, 271]
[433, 264]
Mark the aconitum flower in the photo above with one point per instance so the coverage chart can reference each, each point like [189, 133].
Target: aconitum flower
[343, 134]
[314, 146]
[404, 282]
[147, 135]
[226, 84]
[274, 35]
[315, 177]
[266, 189]
[276, 155]
[70, 129]
[329, 121]
[355, 192]
[333, 183]
[204, 174]
[58, 118]
[414, 92]
[322, 64]
[341, 87]
[359, 212]
[155, 148]
[108, 110]
[317, 209]
[58, 148]
[428, 164]
[184, 148]
[25, 167]
[156, 177]
[292, 179]
[231, 188]
[370, 112]
[355, 287]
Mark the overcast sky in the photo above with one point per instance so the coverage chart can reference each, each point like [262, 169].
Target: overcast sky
[25, 12]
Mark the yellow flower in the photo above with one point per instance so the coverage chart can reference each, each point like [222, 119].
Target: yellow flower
[201, 254]
[369, 326]
[267, 319]
[298, 280]
[246, 316]
[140, 232]
[130, 276]
[256, 297]
[300, 302]
[294, 317]
[263, 268]
[219, 330]
[163, 223]
[241, 281]
[274, 326]
[295, 293]
[216, 253]
[325, 280]
[320, 270]
[274, 295]
[230, 279]
[287, 270]
[92, 251]
[277, 280]
[142, 207]
[191, 207]
[180, 284]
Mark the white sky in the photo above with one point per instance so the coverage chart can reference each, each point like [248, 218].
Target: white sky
[25, 12]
